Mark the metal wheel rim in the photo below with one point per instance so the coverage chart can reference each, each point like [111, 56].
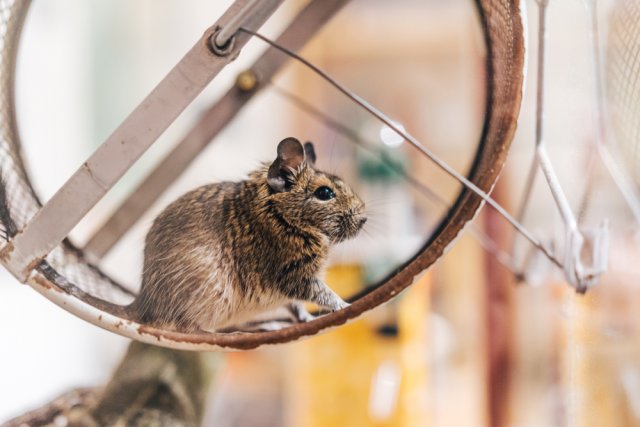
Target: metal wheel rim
[503, 30]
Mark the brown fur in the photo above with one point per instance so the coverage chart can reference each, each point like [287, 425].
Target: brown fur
[224, 252]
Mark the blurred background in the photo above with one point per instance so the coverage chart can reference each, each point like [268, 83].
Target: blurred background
[466, 345]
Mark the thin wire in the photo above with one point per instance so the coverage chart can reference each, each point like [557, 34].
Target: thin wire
[483, 239]
[413, 141]
[542, 157]
[251, 9]
[533, 168]
[524, 205]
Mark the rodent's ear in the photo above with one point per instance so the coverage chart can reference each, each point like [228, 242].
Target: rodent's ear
[310, 152]
[290, 157]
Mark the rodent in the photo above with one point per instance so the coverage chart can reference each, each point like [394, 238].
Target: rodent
[224, 252]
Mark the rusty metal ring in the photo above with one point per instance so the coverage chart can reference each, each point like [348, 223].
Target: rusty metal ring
[503, 31]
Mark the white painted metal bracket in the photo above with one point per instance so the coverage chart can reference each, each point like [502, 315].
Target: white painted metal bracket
[585, 251]
[131, 139]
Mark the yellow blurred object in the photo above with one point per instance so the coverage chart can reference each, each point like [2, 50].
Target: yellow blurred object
[372, 372]
[247, 81]
[599, 349]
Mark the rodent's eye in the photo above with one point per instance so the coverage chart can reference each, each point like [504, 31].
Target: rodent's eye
[324, 193]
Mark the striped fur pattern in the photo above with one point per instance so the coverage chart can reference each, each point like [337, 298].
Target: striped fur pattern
[224, 252]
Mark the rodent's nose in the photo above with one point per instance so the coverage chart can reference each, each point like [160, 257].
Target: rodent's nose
[362, 222]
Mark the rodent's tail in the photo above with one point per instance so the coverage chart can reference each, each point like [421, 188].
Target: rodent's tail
[107, 306]
[122, 311]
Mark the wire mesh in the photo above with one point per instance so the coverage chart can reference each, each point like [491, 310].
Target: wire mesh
[623, 81]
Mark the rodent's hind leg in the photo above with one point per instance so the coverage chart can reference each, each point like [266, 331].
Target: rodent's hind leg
[299, 313]
[323, 295]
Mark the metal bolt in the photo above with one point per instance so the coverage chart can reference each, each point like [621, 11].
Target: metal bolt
[223, 50]
[247, 81]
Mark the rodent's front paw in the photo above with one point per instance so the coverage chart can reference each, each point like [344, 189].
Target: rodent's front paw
[300, 314]
[305, 316]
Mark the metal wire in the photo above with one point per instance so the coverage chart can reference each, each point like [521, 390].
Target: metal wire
[483, 239]
[248, 13]
[415, 143]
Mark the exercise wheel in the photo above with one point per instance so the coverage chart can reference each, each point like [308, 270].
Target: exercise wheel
[34, 244]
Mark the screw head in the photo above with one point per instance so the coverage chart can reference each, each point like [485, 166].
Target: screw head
[247, 81]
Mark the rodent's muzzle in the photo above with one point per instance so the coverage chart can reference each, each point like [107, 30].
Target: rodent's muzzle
[362, 222]
[350, 225]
